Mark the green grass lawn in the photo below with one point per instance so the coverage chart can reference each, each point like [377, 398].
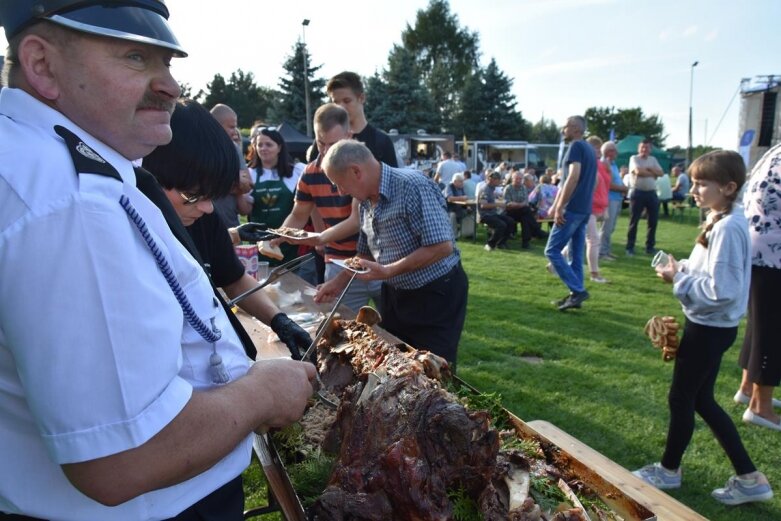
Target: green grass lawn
[600, 380]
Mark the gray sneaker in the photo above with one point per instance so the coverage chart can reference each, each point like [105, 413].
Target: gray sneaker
[738, 491]
[658, 476]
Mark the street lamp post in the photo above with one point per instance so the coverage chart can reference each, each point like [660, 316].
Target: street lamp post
[691, 91]
[306, 81]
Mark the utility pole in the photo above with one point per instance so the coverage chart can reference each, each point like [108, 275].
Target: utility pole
[691, 91]
[306, 81]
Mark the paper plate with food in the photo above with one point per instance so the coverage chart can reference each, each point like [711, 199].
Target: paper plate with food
[293, 234]
[352, 264]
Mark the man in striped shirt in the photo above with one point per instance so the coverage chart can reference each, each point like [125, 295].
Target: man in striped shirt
[317, 197]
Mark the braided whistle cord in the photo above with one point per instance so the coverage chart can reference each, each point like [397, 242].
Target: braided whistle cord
[211, 334]
[189, 313]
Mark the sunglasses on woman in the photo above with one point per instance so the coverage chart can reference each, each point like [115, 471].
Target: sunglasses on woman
[261, 129]
[191, 199]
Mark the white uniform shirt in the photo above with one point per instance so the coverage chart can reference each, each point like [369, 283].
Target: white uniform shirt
[95, 354]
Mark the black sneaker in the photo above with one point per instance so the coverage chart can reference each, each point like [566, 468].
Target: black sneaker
[574, 300]
[560, 302]
[526, 245]
[630, 252]
[651, 251]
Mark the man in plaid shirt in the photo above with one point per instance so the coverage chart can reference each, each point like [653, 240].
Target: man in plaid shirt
[407, 242]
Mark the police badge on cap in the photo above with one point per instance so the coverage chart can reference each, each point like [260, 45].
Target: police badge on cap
[143, 21]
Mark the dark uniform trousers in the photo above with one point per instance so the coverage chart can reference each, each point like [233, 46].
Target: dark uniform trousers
[224, 504]
[430, 317]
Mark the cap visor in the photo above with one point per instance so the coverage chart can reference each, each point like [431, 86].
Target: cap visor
[124, 22]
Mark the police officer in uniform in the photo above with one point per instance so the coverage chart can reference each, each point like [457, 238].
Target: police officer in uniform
[124, 391]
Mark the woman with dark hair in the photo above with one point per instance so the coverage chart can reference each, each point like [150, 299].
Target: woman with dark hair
[197, 166]
[275, 179]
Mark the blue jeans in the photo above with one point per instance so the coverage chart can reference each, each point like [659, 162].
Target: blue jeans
[613, 211]
[574, 229]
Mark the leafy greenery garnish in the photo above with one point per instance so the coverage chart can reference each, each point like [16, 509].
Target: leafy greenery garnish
[310, 477]
[546, 494]
[489, 402]
[464, 507]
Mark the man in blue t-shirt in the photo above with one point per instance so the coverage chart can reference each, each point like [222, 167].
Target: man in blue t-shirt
[571, 211]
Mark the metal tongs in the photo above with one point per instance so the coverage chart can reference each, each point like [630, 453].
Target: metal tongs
[274, 275]
[325, 323]
[320, 332]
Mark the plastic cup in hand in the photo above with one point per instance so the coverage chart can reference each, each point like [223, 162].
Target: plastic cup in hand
[262, 271]
[660, 260]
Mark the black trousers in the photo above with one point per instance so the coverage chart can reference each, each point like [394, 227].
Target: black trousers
[761, 352]
[525, 217]
[430, 317]
[224, 504]
[640, 201]
[500, 225]
[694, 377]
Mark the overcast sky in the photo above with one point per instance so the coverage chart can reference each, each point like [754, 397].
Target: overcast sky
[564, 55]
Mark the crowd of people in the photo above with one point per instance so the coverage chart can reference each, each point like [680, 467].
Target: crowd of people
[140, 195]
[734, 267]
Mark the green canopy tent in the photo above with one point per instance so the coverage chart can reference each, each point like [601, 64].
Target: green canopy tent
[627, 147]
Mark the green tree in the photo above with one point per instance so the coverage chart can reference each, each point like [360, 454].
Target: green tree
[473, 109]
[376, 106]
[487, 107]
[446, 55]
[216, 91]
[546, 131]
[504, 120]
[399, 99]
[240, 93]
[186, 91]
[600, 120]
[291, 103]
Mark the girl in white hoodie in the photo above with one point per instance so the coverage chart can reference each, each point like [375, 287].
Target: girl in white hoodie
[712, 285]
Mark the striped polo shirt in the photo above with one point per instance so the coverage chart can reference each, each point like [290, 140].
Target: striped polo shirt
[314, 187]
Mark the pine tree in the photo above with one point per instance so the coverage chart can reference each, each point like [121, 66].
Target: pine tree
[486, 108]
[446, 55]
[240, 93]
[400, 100]
[545, 131]
[377, 108]
[216, 91]
[504, 120]
[291, 104]
[473, 110]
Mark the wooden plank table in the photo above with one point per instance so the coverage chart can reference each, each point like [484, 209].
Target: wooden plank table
[664, 506]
